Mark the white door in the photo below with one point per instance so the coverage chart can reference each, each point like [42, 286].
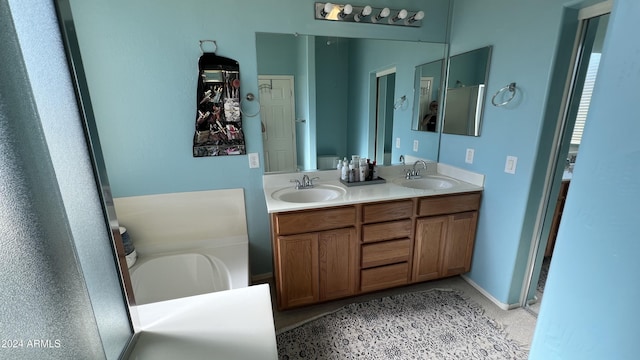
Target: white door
[278, 122]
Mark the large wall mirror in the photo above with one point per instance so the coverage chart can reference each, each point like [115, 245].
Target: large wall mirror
[465, 95]
[320, 96]
[427, 96]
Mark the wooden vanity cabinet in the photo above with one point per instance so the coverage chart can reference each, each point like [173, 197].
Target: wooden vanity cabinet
[315, 255]
[387, 229]
[444, 237]
[331, 253]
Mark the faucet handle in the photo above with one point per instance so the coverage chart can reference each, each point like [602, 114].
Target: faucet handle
[313, 178]
[298, 184]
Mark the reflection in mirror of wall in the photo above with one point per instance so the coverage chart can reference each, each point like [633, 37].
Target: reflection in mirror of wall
[334, 95]
[465, 95]
[428, 86]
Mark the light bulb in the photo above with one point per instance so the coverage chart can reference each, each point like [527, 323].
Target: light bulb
[326, 10]
[399, 16]
[346, 10]
[366, 11]
[383, 13]
[416, 17]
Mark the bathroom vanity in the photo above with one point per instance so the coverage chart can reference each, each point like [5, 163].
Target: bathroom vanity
[370, 238]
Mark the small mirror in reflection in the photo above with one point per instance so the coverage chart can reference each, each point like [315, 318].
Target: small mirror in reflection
[427, 85]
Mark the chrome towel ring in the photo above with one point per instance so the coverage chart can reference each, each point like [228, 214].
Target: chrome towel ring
[250, 97]
[511, 88]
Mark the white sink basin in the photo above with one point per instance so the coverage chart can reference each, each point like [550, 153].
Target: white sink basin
[429, 182]
[318, 193]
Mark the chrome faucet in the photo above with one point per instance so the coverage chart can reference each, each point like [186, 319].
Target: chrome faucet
[305, 183]
[424, 164]
[414, 173]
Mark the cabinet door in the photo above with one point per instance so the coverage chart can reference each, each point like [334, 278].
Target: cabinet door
[297, 270]
[337, 253]
[458, 247]
[430, 235]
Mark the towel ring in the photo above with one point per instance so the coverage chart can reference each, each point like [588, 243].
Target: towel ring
[215, 45]
[511, 88]
[250, 97]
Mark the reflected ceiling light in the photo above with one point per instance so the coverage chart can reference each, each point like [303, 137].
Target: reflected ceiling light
[366, 11]
[326, 9]
[416, 17]
[401, 15]
[383, 14]
[346, 10]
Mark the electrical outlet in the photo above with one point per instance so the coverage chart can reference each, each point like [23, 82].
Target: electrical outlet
[510, 165]
[254, 161]
[415, 145]
[397, 143]
[469, 157]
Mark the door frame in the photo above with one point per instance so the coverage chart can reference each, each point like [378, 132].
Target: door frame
[546, 203]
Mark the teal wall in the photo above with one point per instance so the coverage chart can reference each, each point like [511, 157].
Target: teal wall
[521, 129]
[141, 63]
[587, 311]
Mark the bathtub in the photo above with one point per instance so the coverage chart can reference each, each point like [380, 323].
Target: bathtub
[161, 277]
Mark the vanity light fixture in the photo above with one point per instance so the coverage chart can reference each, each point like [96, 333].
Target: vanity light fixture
[367, 14]
[401, 15]
[366, 11]
[415, 17]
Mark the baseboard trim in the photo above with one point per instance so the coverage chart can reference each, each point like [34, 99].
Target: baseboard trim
[261, 278]
[484, 292]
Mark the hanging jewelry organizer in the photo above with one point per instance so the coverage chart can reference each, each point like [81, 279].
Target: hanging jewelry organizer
[218, 125]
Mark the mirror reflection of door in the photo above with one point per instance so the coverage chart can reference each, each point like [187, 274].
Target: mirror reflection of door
[386, 84]
[278, 122]
[427, 106]
[575, 118]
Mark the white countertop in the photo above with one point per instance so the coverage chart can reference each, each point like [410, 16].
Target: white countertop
[231, 325]
[466, 181]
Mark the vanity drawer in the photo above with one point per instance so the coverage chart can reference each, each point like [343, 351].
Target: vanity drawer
[384, 277]
[314, 220]
[384, 253]
[393, 210]
[386, 231]
[448, 204]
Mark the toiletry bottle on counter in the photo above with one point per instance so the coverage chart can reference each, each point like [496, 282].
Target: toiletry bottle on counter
[339, 168]
[345, 170]
[375, 171]
[363, 169]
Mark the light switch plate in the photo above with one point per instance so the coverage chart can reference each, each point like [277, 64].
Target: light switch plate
[415, 145]
[254, 161]
[510, 165]
[469, 156]
[397, 143]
